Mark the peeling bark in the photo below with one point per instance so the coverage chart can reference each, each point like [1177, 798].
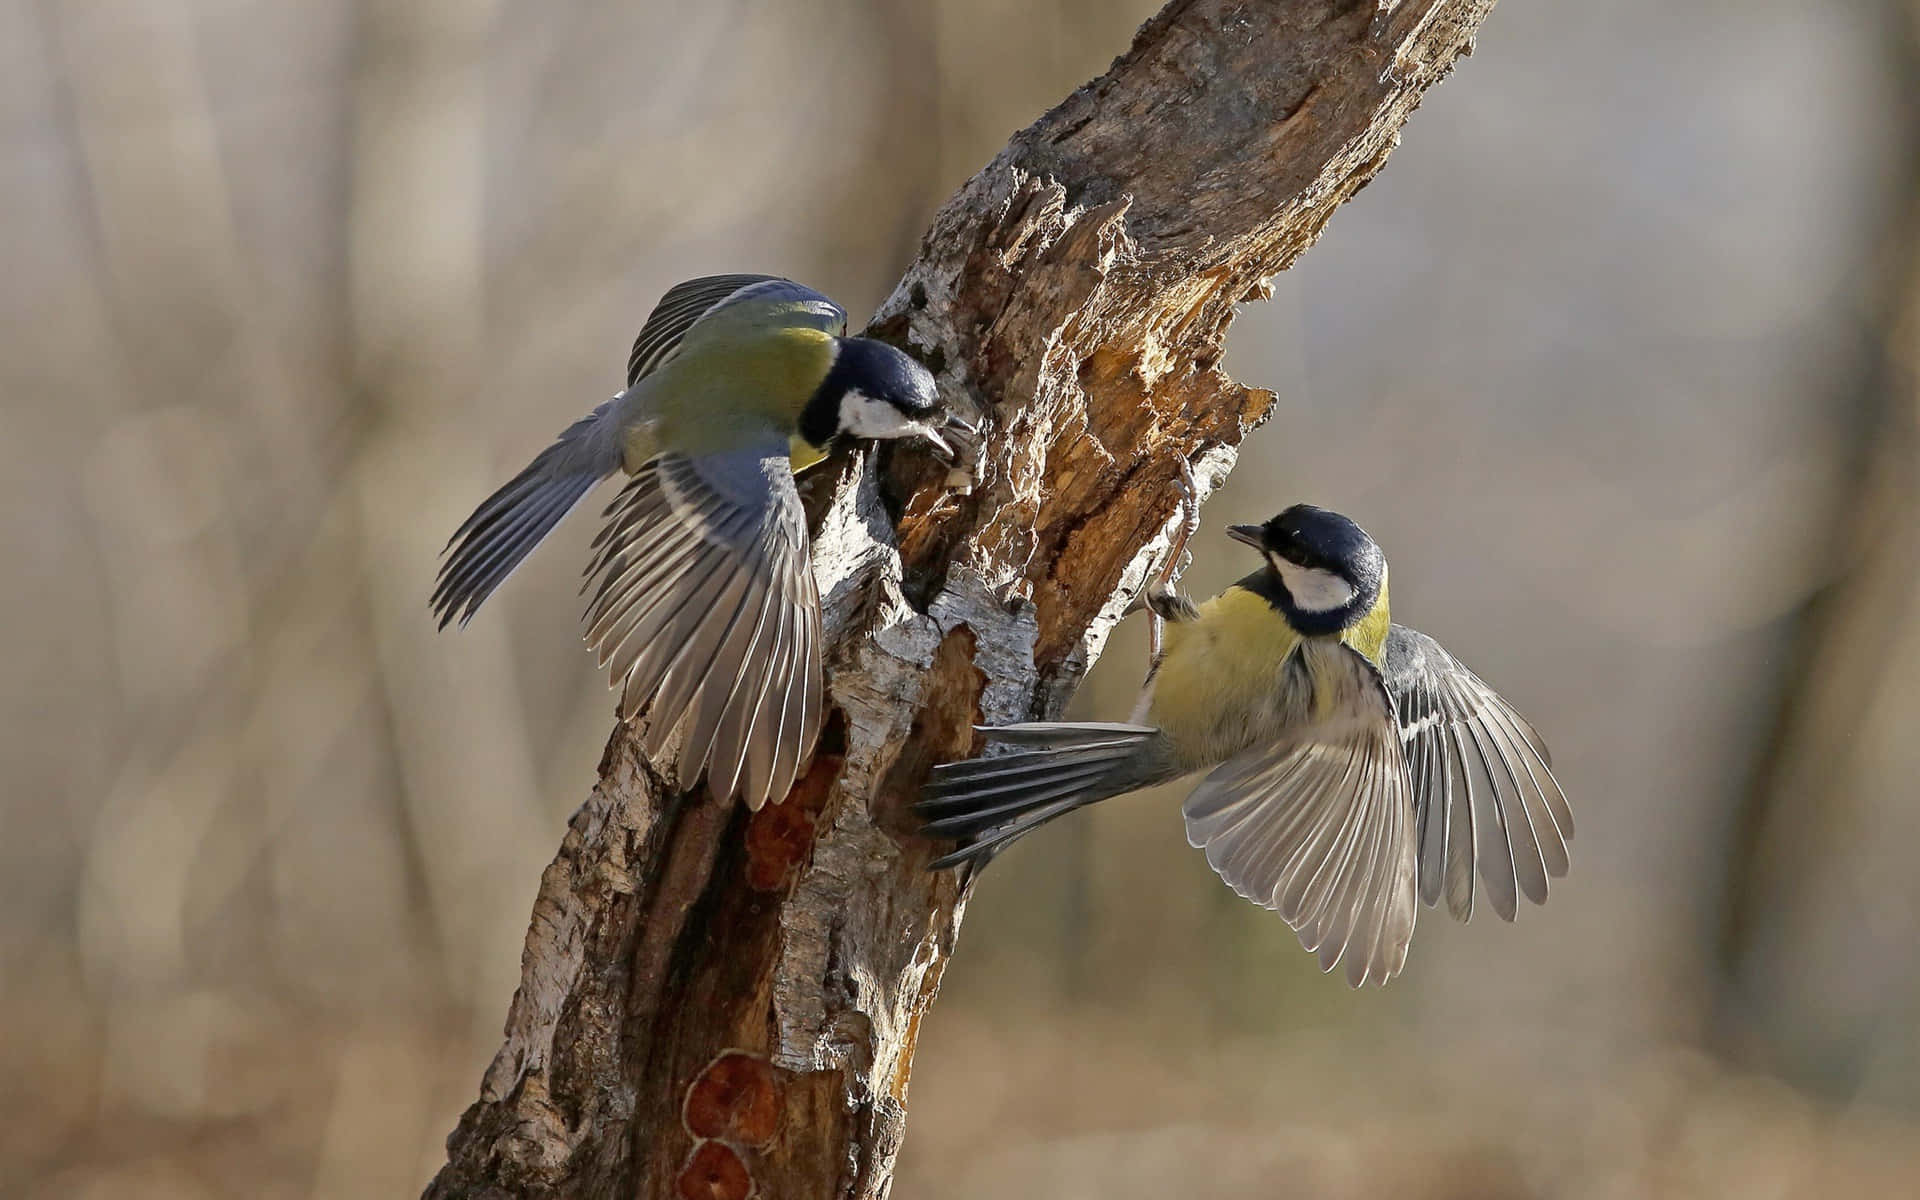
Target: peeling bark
[715, 1003]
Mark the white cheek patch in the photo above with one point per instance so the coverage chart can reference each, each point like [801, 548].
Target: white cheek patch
[1313, 590]
[863, 416]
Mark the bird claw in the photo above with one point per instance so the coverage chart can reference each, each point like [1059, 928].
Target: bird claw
[1159, 597]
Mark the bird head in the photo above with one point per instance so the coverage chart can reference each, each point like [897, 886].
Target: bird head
[1329, 572]
[874, 390]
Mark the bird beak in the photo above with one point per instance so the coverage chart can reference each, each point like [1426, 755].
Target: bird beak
[941, 449]
[1250, 534]
[959, 425]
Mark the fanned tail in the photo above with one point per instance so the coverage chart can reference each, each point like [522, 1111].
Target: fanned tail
[988, 803]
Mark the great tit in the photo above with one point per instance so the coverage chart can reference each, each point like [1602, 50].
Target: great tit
[1352, 762]
[706, 611]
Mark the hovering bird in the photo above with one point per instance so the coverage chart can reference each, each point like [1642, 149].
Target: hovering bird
[1352, 763]
[705, 611]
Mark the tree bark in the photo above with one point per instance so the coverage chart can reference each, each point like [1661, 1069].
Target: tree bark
[715, 1003]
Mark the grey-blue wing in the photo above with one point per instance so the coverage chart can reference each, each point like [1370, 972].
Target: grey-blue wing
[1483, 784]
[707, 617]
[509, 524]
[686, 304]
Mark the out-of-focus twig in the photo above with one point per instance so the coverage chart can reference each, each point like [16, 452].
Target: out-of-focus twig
[1820, 908]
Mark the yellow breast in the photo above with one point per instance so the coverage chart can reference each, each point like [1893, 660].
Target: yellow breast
[803, 453]
[1223, 682]
[1368, 635]
[1220, 669]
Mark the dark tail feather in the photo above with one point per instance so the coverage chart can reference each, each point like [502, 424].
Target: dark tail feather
[991, 802]
[1076, 734]
[501, 533]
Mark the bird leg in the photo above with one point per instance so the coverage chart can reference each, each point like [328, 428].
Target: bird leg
[1162, 602]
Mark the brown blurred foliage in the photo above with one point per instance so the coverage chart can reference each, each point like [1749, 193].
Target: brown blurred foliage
[1617, 360]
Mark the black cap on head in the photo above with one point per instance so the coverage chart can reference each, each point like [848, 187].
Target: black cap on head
[884, 373]
[1318, 539]
[877, 371]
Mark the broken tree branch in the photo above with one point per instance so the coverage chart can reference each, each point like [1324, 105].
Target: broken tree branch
[714, 1003]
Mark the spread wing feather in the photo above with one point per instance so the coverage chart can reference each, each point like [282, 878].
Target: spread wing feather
[706, 614]
[1319, 827]
[1484, 790]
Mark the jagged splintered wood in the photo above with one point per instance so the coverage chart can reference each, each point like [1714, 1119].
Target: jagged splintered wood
[719, 1004]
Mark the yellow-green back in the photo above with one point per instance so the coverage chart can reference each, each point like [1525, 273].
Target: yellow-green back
[719, 389]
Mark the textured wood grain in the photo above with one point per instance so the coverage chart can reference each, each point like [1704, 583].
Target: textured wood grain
[716, 1004]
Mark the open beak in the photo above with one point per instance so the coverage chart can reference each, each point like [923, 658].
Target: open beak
[941, 449]
[1250, 534]
[951, 425]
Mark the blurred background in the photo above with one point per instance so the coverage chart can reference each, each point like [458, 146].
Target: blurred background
[1617, 359]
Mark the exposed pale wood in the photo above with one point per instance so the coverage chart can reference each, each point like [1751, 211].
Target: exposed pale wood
[1076, 290]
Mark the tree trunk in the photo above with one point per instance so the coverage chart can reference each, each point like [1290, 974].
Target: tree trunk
[715, 1003]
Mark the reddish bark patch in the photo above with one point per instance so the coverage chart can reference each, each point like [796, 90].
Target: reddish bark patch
[780, 836]
[812, 790]
[713, 1172]
[737, 1097]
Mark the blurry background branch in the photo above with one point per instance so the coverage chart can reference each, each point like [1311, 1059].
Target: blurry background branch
[1828, 827]
[719, 1003]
